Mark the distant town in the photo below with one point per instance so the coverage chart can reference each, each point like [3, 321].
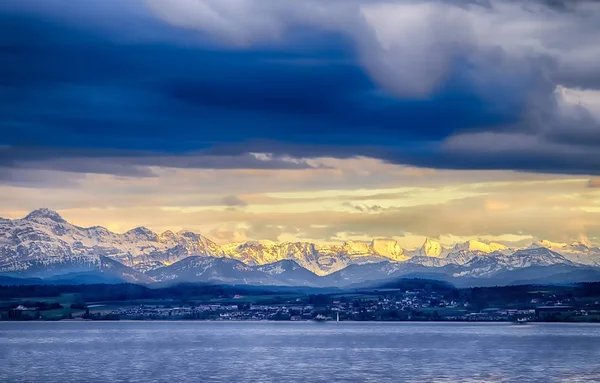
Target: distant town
[411, 300]
[385, 310]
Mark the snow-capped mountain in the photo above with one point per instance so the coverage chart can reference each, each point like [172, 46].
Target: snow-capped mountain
[433, 254]
[254, 252]
[462, 253]
[482, 266]
[576, 252]
[320, 259]
[44, 245]
[430, 248]
[475, 245]
[44, 236]
[389, 248]
[479, 270]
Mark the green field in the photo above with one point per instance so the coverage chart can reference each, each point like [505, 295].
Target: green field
[65, 300]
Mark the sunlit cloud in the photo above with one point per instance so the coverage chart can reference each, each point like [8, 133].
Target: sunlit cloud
[408, 205]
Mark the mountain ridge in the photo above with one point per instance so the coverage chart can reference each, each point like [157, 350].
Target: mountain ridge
[43, 244]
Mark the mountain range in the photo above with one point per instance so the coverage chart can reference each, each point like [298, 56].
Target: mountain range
[44, 245]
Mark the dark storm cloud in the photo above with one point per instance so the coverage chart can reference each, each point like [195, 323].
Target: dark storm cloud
[103, 97]
[38, 179]
[564, 5]
[133, 163]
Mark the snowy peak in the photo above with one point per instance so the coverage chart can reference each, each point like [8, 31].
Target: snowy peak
[254, 252]
[356, 248]
[141, 232]
[577, 252]
[44, 214]
[188, 234]
[475, 245]
[43, 234]
[45, 240]
[388, 248]
[540, 256]
[431, 248]
[558, 246]
[167, 236]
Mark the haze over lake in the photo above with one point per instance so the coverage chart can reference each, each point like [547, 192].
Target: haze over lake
[297, 352]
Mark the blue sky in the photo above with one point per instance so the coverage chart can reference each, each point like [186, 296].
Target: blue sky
[130, 88]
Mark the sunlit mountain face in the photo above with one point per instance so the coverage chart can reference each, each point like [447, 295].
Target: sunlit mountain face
[325, 133]
[44, 245]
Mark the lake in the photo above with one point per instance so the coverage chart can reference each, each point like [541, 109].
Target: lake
[297, 352]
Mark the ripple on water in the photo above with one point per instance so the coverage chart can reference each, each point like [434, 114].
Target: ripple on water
[297, 352]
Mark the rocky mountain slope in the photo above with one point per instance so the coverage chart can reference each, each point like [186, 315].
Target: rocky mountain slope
[230, 271]
[576, 252]
[44, 245]
[43, 234]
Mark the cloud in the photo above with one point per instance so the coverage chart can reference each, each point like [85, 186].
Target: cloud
[522, 214]
[413, 48]
[351, 201]
[363, 208]
[470, 217]
[198, 83]
[234, 201]
[385, 31]
[228, 235]
[39, 178]
[134, 163]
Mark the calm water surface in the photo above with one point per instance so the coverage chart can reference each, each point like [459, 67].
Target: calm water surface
[297, 352]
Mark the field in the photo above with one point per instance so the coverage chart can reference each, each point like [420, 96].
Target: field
[64, 300]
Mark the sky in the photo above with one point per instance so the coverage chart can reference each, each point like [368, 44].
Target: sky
[307, 120]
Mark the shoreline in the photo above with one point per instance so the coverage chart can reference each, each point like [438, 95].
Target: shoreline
[294, 321]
